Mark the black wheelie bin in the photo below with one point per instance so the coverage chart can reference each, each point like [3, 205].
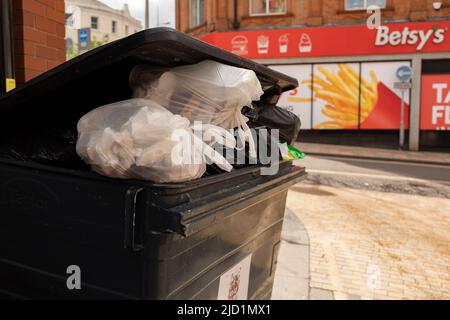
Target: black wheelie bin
[63, 226]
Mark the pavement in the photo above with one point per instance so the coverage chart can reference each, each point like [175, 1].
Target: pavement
[293, 274]
[375, 245]
[367, 228]
[374, 153]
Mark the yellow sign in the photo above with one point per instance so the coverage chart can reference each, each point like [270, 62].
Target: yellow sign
[10, 84]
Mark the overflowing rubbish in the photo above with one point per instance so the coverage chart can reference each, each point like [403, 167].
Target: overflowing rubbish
[139, 139]
[186, 122]
[182, 124]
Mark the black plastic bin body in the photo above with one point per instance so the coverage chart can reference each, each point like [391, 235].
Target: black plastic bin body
[132, 239]
[114, 231]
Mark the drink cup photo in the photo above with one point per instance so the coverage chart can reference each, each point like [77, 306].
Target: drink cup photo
[263, 44]
[283, 43]
[305, 45]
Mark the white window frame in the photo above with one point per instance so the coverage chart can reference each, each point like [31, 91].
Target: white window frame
[364, 7]
[197, 23]
[267, 13]
[98, 23]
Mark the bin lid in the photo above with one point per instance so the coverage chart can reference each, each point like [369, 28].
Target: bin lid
[100, 76]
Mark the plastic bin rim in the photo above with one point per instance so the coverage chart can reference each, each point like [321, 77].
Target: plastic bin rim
[148, 184]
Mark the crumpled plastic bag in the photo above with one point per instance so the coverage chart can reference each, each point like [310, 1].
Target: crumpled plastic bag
[210, 92]
[139, 139]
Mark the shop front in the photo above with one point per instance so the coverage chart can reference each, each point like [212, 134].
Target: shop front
[349, 76]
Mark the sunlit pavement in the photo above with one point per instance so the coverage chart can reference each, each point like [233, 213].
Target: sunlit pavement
[367, 229]
[293, 267]
[375, 245]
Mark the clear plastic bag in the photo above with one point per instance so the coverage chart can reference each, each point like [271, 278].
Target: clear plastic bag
[139, 139]
[210, 92]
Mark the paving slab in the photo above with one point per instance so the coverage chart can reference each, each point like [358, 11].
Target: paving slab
[293, 272]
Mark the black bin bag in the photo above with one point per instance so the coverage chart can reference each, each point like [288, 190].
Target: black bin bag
[274, 117]
[127, 239]
[50, 146]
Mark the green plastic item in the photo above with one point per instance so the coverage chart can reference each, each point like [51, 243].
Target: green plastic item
[289, 152]
[295, 154]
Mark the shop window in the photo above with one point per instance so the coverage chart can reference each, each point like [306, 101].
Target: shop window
[69, 19]
[197, 8]
[94, 23]
[69, 45]
[267, 7]
[363, 4]
[114, 26]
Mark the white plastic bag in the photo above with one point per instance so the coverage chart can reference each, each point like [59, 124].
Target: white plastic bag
[139, 139]
[210, 92]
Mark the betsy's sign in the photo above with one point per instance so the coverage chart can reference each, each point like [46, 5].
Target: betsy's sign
[407, 37]
[397, 38]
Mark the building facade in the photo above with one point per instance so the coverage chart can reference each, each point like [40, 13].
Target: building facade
[349, 72]
[32, 39]
[104, 23]
[219, 15]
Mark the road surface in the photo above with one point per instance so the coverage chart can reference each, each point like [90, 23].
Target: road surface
[439, 173]
[379, 175]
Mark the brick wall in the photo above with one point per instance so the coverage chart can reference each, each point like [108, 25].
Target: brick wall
[219, 14]
[39, 32]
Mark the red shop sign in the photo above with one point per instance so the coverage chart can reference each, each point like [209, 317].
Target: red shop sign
[435, 108]
[398, 38]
